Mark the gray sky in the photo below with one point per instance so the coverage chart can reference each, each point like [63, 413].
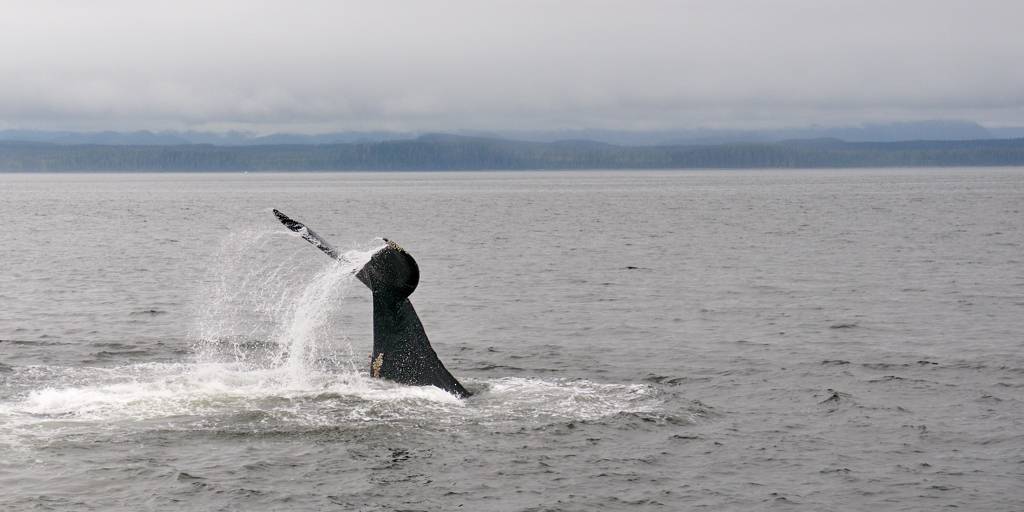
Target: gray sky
[314, 66]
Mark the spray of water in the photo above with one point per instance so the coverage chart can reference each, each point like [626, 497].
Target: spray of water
[271, 313]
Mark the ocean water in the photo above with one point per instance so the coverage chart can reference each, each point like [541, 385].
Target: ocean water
[716, 340]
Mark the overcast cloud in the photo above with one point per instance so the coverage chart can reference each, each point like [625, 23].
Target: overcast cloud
[446, 65]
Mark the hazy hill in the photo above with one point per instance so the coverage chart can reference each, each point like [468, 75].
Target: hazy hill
[173, 138]
[879, 132]
[450, 152]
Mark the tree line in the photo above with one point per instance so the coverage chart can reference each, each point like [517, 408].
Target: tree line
[447, 152]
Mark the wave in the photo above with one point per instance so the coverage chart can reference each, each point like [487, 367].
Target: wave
[238, 397]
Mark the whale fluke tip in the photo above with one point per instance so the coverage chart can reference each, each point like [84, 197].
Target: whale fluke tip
[308, 235]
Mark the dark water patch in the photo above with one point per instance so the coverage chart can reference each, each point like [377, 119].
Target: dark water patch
[492, 367]
[887, 378]
[741, 371]
[228, 432]
[119, 355]
[639, 502]
[982, 366]
[843, 326]
[37, 343]
[918, 468]
[545, 370]
[632, 419]
[884, 366]
[686, 437]
[669, 380]
[632, 267]
[48, 502]
[835, 398]
[264, 465]
[919, 383]
[185, 477]
[233, 431]
[753, 343]
[920, 429]
[114, 345]
[780, 498]
[148, 312]
[835, 362]
[394, 458]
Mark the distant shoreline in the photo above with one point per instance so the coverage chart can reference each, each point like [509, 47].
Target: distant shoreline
[211, 172]
[460, 153]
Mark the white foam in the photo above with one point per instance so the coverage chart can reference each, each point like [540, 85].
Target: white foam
[148, 391]
[219, 390]
[272, 340]
[567, 399]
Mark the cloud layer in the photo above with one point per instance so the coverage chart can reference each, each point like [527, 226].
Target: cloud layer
[330, 65]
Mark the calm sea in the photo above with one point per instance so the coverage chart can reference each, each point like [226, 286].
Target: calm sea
[643, 341]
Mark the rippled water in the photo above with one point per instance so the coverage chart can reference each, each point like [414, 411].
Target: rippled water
[793, 340]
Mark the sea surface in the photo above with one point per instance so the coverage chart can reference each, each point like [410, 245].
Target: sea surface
[637, 341]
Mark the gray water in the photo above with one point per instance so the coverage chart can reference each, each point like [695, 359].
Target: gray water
[757, 340]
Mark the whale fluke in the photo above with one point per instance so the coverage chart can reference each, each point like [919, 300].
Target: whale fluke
[401, 350]
[308, 234]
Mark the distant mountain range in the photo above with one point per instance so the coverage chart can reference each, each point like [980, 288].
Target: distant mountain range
[887, 132]
[454, 152]
[175, 138]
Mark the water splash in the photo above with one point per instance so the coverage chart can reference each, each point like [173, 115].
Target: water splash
[274, 354]
[232, 397]
[269, 312]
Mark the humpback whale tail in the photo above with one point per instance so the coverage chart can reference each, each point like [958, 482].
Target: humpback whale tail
[401, 350]
[391, 271]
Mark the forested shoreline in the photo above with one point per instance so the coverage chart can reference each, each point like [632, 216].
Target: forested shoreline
[449, 152]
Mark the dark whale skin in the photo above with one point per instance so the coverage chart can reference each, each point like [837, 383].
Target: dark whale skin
[401, 350]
